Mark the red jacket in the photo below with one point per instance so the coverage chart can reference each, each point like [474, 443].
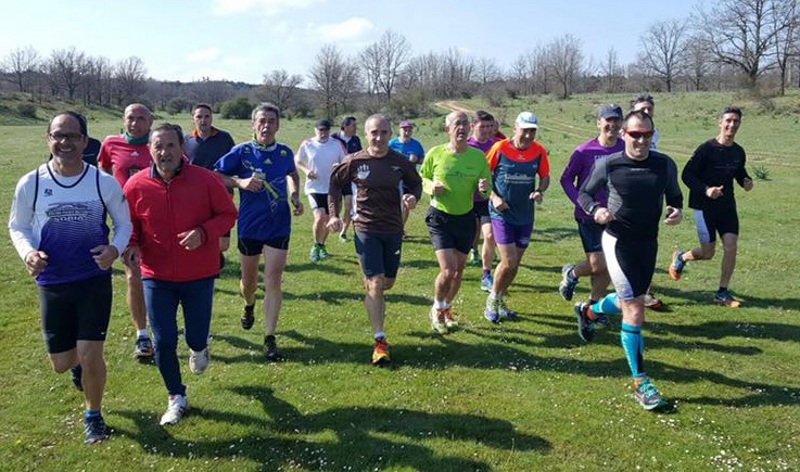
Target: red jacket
[195, 198]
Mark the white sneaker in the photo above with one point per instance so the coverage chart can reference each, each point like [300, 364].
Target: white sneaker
[438, 323]
[198, 361]
[177, 407]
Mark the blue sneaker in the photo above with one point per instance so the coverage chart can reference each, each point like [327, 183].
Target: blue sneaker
[647, 395]
[503, 311]
[95, 429]
[585, 326]
[677, 266]
[487, 283]
[567, 286]
[491, 312]
[724, 298]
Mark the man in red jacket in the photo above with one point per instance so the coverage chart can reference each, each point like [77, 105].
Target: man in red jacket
[178, 211]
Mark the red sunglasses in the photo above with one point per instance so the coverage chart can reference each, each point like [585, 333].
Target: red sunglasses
[640, 134]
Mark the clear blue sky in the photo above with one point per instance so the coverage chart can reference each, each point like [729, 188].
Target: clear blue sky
[243, 39]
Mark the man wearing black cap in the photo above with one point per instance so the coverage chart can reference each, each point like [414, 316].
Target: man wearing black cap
[609, 121]
[349, 139]
[316, 158]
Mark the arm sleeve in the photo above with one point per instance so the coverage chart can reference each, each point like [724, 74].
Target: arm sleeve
[571, 172]
[597, 180]
[692, 170]
[119, 211]
[136, 224]
[741, 172]
[229, 163]
[673, 194]
[412, 180]
[339, 178]
[104, 157]
[544, 165]
[223, 211]
[20, 221]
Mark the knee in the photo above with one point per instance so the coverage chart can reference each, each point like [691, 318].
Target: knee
[388, 284]
[62, 365]
[272, 280]
[376, 285]
[707, 252]
[166, 343]
[730, 247]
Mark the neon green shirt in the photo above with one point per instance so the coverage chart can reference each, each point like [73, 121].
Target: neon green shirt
[459, 173]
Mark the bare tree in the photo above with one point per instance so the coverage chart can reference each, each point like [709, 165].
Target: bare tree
[280, 87]
[21, 64]
[487, 70]
[383, 62]
[742, 33]
[787, 41]
[566, 62]
[662, 53]
[328, 77]
[698, 60]
[68, 67]
[612, 70]
[129, 79]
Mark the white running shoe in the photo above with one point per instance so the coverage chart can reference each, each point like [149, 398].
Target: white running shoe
[177, 407]
[198, 361]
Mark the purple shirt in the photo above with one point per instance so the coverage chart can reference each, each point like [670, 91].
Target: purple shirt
[484, 147]
[580, 167]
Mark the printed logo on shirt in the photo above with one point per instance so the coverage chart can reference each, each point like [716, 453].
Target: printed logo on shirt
[68, 211]
[395, 168]
[363, 171]
[48, 192]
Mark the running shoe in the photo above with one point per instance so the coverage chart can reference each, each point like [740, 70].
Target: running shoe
[177, 408]
[248, 316]
[323, 252]
[504, 311]
[491, 312]
[438, 322]
[143, 348]
[647, 395]
[567, 286]
[314, 254]
[677, 266]
[198, 361]
[487, 282]
[652, 303]
[271, 351]
[95, 429]
[449, 318]
[75, 374]
[380, 355]
[585, 325]
[724, 298]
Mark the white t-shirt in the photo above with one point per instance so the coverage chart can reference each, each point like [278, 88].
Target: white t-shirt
[320, 158]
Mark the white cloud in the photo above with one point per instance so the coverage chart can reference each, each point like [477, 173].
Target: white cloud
[267, 7]
[348, 30]
[204, 55]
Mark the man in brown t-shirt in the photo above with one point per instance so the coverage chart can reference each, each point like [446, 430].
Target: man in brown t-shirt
[376, 172]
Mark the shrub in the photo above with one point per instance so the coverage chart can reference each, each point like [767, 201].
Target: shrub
[26, 110]
[761, 172]
[238, 108]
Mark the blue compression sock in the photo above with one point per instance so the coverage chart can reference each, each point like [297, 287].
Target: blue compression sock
[608, 305]
[633, 345]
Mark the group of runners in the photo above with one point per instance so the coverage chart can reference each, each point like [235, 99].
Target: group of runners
[170, 203]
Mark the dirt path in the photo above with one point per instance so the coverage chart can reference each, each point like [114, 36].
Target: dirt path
[453, 105]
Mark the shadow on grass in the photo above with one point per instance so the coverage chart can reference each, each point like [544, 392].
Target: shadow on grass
[362, 437]
[702, 297]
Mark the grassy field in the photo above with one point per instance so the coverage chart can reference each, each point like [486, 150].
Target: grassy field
[520, 396]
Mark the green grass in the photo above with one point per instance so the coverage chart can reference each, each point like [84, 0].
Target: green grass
[522, 396]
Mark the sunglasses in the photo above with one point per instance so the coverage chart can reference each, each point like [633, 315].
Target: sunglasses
[640, 134]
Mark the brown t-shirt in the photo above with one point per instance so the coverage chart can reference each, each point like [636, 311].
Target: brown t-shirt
[376, 193]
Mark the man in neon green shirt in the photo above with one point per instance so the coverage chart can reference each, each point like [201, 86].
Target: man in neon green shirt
[451, 174]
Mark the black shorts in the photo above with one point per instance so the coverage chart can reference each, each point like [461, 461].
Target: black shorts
[451, 231]
[379, 253]
[318, 200]
[481, 210]
[591, 235]
[711, 222]
[254, 247]
[630, 264]
[75, 311]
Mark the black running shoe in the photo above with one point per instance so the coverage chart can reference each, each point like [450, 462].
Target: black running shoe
[76, 373]
[248, 318]
[95, 429]
[271, 351]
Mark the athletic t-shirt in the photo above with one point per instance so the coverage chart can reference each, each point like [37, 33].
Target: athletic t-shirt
[264, 214]
[206, 152]
[123, 158]
[321, 158]
[514, 174]
[66, 217]
[407, 149]
[712, 165]
[580, 167]
[459, 173]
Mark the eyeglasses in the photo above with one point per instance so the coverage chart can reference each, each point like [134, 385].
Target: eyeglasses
[67, 136]
[640, 134]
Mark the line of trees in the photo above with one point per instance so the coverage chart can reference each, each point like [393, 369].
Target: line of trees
[730, 44]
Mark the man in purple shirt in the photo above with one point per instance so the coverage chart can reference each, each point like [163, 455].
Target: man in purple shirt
[483, 129]
[609, 120]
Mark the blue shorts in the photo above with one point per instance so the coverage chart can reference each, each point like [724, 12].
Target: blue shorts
[591, 235]
[379, 253]
[505, 233]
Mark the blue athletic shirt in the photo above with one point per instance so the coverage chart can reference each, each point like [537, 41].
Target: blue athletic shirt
[265, 214]
[514, 174]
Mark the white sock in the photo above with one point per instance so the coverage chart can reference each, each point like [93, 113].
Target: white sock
[439, 304]
[379, 335]
[142, 333]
